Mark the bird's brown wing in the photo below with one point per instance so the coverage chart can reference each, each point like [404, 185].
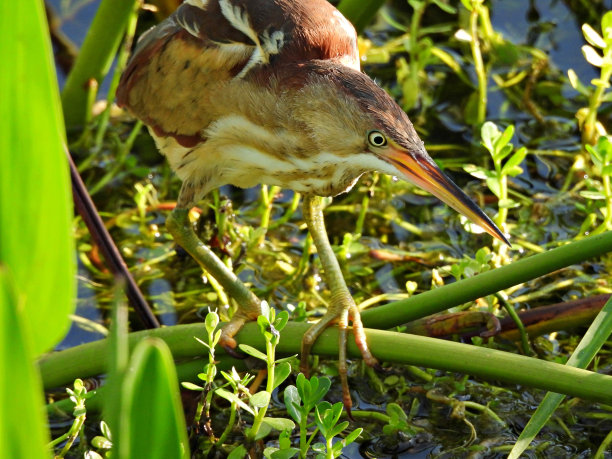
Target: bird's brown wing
[207, 43]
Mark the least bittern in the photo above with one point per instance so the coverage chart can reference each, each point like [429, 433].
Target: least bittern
[244, 92]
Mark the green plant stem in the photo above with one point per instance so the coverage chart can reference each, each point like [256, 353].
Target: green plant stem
[604, 446]
[230, 424]
[95, 57]
[478, 62]
[487, 283]
[267, 198]
[89, 359]
[605, 225]
[122, 59]
[270, 353]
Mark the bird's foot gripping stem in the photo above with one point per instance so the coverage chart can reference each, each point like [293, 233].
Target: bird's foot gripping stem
[340, 312]
[180, 227]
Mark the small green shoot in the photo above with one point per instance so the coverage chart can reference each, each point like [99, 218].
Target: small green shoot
[498, 145]
[270, 326]
[326, 419]
[307, 395]
[102, 442]
[587, 116]
[601, 155]
[78, 395]
[210, 370]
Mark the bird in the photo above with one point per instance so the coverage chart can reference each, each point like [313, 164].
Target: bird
[247, 92]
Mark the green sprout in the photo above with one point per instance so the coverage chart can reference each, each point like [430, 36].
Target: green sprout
[498, 145]
[78, 395]
[601, 155]
[587, 116]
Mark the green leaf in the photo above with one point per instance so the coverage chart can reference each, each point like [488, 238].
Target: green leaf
[445, 7]
[494, 186]
[284, 453]
[152, 418]
[260, 400]
[489, 134]
[606, 26]
[36, 244]
[514, 171]
[350, 438]
[280, 424]
[281, 373]
[592, 56]
[504, 139]
[23, 425]
[292, 403]
[238, 453]
[607, 170]
[595, 195]
[211, 321]
[233, 398]
[592, 36]
[507, 204]
[253, 352]
[514, 160]
[190, 386]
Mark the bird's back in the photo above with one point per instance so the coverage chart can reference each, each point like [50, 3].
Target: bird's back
[179, 67]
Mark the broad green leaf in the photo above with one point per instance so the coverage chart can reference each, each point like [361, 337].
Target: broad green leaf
[152, 418]
[252, 351]
[22, 424]
[590, 344]
[280, 423]
[36, 243]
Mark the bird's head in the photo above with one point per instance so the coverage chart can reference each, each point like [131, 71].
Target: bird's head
[371, 121]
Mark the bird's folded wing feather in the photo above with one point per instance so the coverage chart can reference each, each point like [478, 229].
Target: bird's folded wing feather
[207, 43]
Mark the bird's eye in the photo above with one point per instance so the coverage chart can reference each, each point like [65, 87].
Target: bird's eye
[377, 139]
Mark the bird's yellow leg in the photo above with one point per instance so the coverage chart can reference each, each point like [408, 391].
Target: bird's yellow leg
[342, 306]
[180, 227]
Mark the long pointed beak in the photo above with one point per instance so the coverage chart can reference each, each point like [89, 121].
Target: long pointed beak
[423, 172]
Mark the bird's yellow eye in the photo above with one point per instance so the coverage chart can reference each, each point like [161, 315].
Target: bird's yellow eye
[377, 139]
